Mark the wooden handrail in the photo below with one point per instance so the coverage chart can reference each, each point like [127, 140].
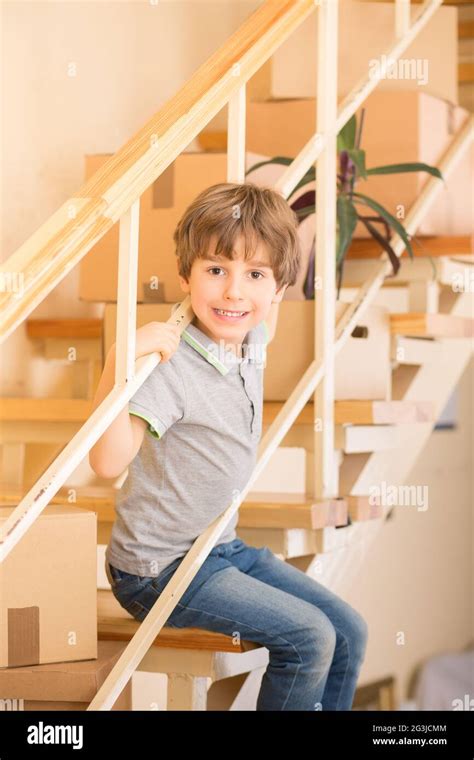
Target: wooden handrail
[59, 244]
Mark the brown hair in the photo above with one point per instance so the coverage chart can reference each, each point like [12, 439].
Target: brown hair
[228, 210]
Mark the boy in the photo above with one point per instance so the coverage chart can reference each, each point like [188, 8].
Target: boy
[189, 439]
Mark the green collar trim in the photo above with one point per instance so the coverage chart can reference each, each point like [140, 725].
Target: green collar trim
[198, 346]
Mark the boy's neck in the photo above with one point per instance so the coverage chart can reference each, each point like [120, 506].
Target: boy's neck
[236, 348]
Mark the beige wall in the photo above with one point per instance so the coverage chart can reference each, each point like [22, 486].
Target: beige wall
[127, 60]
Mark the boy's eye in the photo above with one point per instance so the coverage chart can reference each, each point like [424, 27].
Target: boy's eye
[219, 269]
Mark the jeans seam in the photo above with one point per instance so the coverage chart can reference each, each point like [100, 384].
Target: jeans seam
[237, 622]
[345, 671]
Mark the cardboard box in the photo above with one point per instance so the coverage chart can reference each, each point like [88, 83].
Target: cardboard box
[64, 685]
[161, 207]
[48, 590]
[366, 32]
[363, 369]
[398, 127]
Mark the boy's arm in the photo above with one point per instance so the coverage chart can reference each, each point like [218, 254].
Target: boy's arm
[121, 441]
[119, 444]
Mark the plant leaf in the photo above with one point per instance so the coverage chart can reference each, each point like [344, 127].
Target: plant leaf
[395, 261]
[409, 167]
[302, 213]
[304, 201]
[358, 157]
[392, 221]
[346, 137]
[283, 160]
[347, 220]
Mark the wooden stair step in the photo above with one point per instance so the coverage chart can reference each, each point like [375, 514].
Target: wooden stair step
[267, 510]
[433, 245]
[298, 542]
[357, 412]
[283, 510]
[114, 623]
[405, 350]
[361, 412]
[447, 270]
[360, 509]
[284, 541]
[466, 72]
[353, 439]
[45, 409]
[465, 29]
[384, 412]
[64, 328]
[431, 325]
[90, 497]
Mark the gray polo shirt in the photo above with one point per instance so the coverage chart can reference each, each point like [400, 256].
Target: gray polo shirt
[204, 413]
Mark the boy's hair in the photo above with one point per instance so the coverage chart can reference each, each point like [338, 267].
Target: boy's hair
[229, 210]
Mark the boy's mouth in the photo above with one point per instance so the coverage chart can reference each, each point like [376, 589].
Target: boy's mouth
[229, 315]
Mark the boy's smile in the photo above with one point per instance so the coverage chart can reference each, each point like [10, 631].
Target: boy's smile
[230, 297]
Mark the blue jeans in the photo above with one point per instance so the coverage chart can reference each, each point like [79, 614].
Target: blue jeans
[316, 641]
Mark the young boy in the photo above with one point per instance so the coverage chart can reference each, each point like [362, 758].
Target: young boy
[189, 438]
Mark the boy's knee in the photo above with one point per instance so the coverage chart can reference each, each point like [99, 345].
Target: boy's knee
[320, 640]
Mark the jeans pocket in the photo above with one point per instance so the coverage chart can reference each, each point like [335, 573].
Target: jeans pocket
[122, 578]
[143, 599]
[127, 586]
[137, 610]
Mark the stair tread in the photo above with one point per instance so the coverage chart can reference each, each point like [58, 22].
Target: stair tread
[265, 510]
[431, 325]
[345, 411]
[115, 624]
[45, 409]
[64, 328]
[361, 412]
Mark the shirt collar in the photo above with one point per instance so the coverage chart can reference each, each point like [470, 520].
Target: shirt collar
[222, 359]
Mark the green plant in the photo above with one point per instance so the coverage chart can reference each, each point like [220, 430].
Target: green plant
[349, 204]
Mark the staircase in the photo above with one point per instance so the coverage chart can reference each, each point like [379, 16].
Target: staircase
[326, 531]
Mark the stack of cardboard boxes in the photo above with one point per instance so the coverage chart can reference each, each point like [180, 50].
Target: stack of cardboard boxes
[50, 658]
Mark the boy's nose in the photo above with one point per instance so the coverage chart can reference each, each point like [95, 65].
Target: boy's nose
[233, 289]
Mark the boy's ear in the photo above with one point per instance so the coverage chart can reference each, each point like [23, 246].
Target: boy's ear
[184, 284]
[279, 294]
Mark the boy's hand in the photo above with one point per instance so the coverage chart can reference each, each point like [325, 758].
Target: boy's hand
[157, 336]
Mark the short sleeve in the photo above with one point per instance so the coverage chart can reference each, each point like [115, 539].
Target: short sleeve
[160, 401]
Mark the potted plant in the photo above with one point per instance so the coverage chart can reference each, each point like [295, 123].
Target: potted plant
[351, 204]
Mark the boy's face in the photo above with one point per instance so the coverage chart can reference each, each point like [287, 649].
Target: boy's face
[219, 284]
